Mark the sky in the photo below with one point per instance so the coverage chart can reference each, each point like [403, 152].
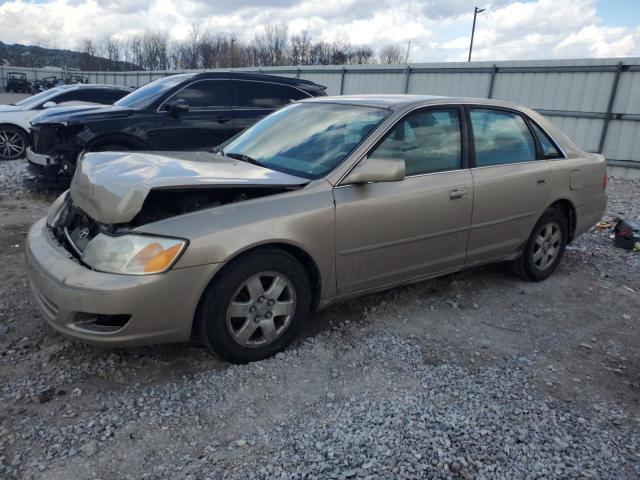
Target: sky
[437, 30]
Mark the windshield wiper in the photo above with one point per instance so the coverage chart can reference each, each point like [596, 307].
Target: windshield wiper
[243, 157]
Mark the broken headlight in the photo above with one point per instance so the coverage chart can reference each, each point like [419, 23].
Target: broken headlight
[56, 209]
[132, 254]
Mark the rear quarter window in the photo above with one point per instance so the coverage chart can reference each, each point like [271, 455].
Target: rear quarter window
[549, 150]
[266, 95]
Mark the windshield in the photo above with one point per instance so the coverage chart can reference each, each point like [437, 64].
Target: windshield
[306, 139]
[38, 98]
[146, 95]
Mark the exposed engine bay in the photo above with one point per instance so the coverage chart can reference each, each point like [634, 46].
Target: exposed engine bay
[166, 203]
[74, 228]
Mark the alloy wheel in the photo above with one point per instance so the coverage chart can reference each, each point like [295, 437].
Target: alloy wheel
[547, 246]
[11, 145]
[261, 309]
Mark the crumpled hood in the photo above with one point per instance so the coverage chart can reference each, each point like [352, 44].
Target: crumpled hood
[81, 113]
[111, 186]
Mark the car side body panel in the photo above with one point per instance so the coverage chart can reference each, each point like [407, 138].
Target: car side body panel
[303, 218]
[390, 231]
[580, 180]
[508, 200]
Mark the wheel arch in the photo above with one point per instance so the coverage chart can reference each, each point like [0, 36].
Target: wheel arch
[305, 258]
[568, 209]
[15, 125]
[123, 139]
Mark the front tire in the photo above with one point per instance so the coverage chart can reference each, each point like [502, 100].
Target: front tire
[545, 247]
[255, 307]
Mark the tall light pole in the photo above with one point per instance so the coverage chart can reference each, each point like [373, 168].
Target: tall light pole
[233, 51]
[476, 11]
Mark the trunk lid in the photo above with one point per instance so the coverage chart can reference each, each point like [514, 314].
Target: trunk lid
[111, 187]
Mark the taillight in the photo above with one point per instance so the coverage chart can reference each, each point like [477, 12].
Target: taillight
[605, 181]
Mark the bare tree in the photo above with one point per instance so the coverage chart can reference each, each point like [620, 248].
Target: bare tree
[87, 46]
[361, 55]
[300, 49]
[391, 54]
[112, 48]
[272, 45]
[189, 49]
[154, 51]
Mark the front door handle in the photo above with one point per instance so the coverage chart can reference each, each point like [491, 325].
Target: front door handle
[223, 119]
[458, 193]
[541, 181]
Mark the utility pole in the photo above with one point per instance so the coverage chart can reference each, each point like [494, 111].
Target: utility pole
[233, 51]
[406, 58]
[476, 11]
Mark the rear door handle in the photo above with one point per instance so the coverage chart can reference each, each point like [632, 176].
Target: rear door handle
[541, 181]
[223, 119]
[458, 194]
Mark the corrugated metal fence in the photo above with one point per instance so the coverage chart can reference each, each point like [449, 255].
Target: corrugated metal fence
[595, 101]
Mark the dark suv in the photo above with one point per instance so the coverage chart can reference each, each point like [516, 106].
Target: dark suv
[190, 111]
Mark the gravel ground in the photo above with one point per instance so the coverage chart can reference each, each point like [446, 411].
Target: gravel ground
[473, 375]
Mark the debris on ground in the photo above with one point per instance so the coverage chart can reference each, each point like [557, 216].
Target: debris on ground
[627, 235]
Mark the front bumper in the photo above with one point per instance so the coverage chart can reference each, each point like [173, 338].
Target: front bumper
[40, 159]
[160, 308]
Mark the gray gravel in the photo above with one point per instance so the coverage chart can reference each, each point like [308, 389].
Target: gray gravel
[474, 375]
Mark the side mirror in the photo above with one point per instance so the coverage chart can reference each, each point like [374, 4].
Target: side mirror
[377, 170]
[176, 107]
[49, 104]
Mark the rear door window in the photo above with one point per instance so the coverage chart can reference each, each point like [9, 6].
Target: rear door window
[501, 137]
[206, 94]
[266, 95]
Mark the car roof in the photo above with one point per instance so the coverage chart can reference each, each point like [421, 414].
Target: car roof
[80, 86]
[399, 101]
[300, 82]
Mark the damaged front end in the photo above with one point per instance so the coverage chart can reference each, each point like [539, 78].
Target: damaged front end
[55, 147]
[112, 194]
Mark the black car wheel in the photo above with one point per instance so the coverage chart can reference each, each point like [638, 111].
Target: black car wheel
[255, 307]
[544, 248]
[13, 143]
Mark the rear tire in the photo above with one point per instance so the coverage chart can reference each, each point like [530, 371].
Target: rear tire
[255, 307]
[545, 247]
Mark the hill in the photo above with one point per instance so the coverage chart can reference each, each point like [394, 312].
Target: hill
[38, 57]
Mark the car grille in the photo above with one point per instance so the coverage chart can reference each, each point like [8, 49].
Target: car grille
[75, 229]
[43, 139]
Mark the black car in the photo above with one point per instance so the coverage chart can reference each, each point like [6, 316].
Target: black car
[14, 118]
[188, 111]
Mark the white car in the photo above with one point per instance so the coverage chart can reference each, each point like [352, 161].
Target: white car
[15, 118]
